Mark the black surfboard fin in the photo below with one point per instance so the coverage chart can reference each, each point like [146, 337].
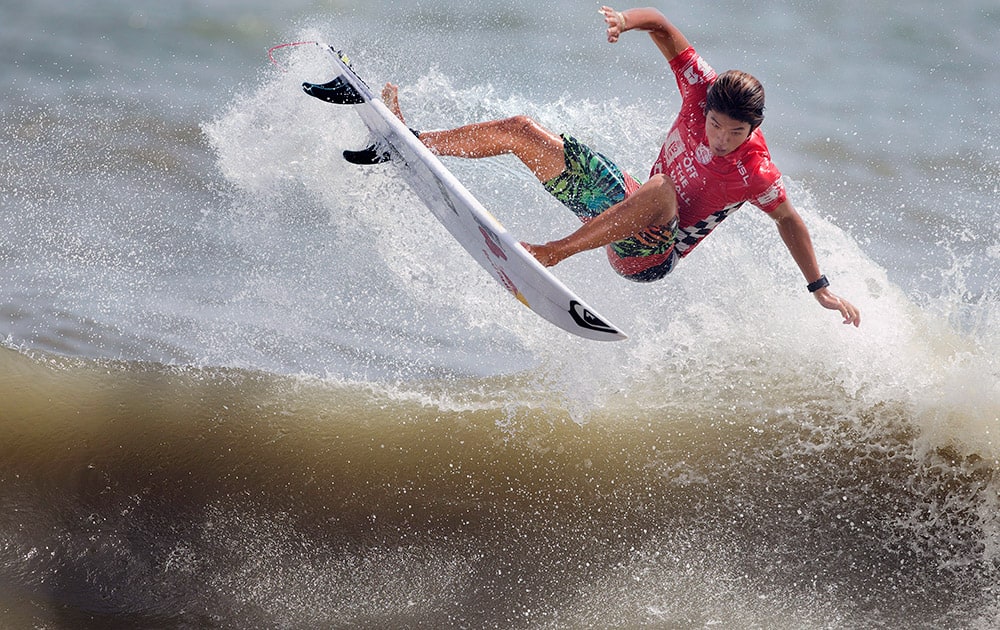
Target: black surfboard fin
[372, 154]
[338, 91]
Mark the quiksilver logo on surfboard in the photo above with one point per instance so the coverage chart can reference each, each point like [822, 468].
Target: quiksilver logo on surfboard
[585, 319]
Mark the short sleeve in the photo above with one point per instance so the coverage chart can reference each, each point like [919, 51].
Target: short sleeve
[693, 75]
[768, 188]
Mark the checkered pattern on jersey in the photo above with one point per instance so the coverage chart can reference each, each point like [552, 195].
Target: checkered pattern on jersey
[688, 237]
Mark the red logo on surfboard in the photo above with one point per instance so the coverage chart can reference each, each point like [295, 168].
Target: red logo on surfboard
[508, 283]
[491, 243]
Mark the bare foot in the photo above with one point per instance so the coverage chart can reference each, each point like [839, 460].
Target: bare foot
[545, 254]
[390, 96]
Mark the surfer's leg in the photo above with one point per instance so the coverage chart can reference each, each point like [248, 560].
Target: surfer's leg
[538, 148]
[647, 216]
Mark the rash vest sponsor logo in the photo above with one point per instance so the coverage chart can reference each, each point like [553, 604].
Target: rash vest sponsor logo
[772, 194]
[703, 154]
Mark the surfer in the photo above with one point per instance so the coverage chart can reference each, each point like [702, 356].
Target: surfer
[714, 159]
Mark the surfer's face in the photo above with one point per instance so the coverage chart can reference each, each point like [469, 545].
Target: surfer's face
[725, 134]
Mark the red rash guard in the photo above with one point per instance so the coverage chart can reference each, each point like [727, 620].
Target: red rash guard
[709, 188]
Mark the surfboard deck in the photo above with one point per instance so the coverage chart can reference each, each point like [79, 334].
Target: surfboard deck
[475, 229]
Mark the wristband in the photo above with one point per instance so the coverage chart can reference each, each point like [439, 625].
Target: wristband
[816, 285]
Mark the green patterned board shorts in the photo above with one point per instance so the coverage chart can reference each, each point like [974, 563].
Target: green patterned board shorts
[590, 185]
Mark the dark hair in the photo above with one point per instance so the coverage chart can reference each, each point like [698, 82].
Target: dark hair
[737, 95]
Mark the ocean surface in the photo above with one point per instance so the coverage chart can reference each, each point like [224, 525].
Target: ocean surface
[244, 384]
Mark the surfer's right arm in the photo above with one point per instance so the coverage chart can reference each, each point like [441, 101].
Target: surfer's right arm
[667, 37]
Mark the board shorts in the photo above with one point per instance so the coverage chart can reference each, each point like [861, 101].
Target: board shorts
[590, 185]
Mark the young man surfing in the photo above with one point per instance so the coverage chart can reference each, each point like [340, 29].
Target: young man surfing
[714, 159]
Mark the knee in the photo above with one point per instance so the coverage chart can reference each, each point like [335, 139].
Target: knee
[520, 122]
[521, 125]
[661, 188]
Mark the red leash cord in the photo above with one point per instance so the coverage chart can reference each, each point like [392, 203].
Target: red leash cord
[270, 51]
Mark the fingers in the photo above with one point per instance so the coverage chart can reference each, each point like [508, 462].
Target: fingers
[614, 25]
[848, 311]
[851, 314]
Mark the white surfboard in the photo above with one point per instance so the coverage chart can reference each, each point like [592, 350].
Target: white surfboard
[493, 247]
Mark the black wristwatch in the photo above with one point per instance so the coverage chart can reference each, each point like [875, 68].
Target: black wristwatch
[818, 284]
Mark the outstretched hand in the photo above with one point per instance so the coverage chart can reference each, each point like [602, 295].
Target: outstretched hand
[615, 21]
[850, 313]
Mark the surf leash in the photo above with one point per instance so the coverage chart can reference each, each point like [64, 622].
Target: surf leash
[270, 52]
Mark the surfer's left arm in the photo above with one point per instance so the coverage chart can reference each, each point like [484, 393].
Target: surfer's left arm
[795, 235]
[667, 37]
